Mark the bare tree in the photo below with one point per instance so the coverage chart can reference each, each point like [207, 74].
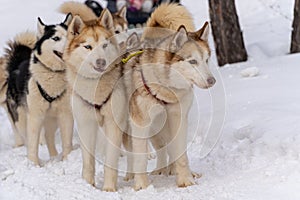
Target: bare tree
[295, 43]
[229, 43]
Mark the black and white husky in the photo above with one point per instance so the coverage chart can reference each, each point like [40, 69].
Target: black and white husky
[36, 90]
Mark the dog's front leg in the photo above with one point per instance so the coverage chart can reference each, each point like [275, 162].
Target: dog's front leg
[34, 120]
[140, 155]
[66, 123]
[178, 121]
[87, 131]
[127, 142]
[112, 153]
[50, 129]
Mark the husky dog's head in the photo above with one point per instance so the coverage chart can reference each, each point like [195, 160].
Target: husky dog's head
[120, 21]
[51, 43]
[88, 42]
[192, 56]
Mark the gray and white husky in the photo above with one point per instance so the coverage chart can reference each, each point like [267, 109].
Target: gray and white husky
[36, 94]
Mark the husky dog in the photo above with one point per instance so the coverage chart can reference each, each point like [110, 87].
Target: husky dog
[168, 68]
[37, 95]
[91, 97]
[88, 12]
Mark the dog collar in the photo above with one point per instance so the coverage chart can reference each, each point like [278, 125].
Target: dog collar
[46, 96]
[125, 60]
[96, 106]
[149, 90]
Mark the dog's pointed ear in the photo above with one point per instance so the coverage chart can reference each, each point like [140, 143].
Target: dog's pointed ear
[40, 28]
[68, 19]
[179, 39]
[133, 41]
[76, 26]
[203, 33]
[106, 20]
[123, 12]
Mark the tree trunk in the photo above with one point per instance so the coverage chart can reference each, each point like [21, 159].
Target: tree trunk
[295, 43]
[229, 43]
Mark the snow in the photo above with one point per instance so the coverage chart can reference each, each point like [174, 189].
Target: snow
[250, 72]
[257, 155]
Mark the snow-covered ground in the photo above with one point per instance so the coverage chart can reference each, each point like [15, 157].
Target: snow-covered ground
[257, 156]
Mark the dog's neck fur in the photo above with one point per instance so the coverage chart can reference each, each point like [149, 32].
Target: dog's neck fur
[157, 80]
[50, 77]
[95, 91]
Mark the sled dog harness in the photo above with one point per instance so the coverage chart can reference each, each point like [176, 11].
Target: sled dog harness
[96, 106]
[46, 96]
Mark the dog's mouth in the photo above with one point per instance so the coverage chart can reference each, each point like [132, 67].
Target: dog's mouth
[99, 69]
[58, 54]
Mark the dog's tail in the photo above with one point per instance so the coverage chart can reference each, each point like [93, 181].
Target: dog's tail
[77, 8]
[171, 16]
[19, 49]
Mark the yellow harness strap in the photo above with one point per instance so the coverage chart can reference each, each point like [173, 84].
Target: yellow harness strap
[125, 60]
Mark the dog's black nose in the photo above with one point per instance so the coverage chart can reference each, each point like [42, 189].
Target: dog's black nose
[211, 81]
[100, 63]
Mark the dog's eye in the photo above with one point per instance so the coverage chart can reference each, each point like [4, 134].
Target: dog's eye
[105, 45]
[56, 39]
[193, 62]
[117, 32]
[89, 47]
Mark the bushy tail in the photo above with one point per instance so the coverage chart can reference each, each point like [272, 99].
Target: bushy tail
[19, 49]
[171, 16]
[77, 8]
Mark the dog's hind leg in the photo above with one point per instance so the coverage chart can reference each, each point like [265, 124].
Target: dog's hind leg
[66, 123]
[50, 126]
[112, 153]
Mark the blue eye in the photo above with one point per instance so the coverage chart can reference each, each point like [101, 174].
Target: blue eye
[89, 47]
[193, 62]
[56, 39]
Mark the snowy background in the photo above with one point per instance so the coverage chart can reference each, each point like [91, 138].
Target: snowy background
[258, 154]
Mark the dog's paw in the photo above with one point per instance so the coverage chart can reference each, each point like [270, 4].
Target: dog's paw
[109, 189]
[129, 176]
[89, 178]
[33, 159]
[196, 175]
[163, 171]
[141, 182]
[167, 171]
[19, 144]
[185, 181]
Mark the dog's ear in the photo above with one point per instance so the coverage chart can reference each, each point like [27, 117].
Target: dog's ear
[179, 39]
[68, 19]
[76, 26]
[203, 33]
[122, 12]
[40, 28]
[106, 20]
[133, 41]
